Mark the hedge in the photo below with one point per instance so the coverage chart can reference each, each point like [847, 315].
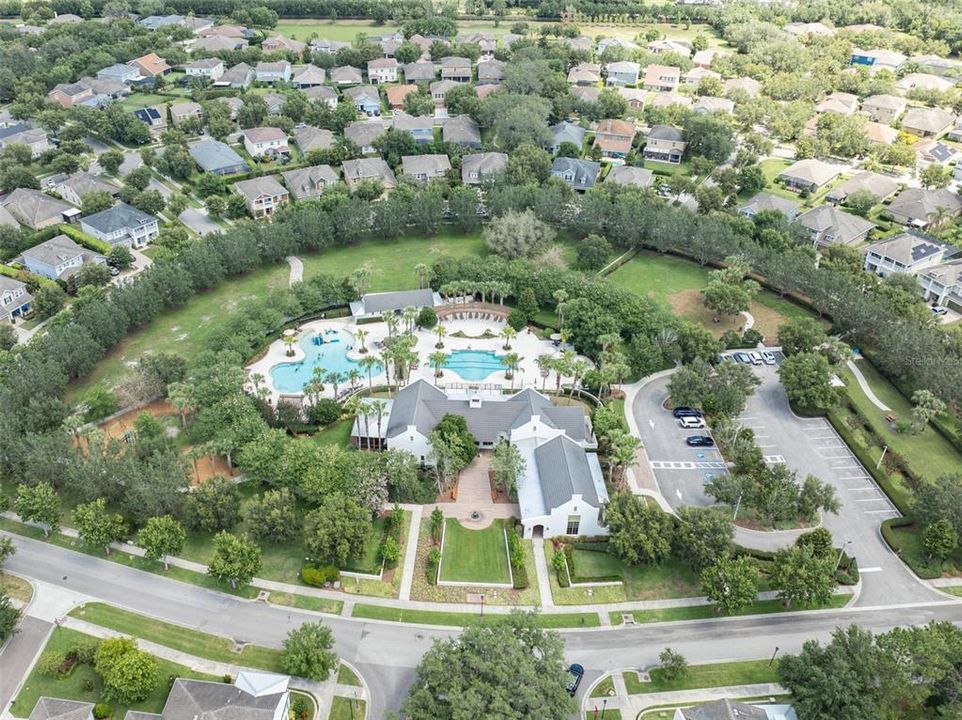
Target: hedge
[25, 276]
[319, 575]
[572, 568]
[85, 240]
[926, 572]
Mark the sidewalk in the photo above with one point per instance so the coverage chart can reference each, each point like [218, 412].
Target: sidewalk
[541, 566]
[632, 705]
[410, 552]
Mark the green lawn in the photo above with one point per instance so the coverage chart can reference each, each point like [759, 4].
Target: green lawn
[137, 100]
[347, 709]
[338, 433]
[307, 602]
[369, 563]
[591, 564]
[477, 556]
[16, 587]
[706, 612]
[72, 686]
[462, 619]
[929, 454]
[659, 276]
[346, 676]
[747, 672]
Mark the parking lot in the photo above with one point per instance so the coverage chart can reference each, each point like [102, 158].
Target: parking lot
[810, 446]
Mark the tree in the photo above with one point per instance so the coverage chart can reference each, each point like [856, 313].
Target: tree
[111, 160]
[807, 378]
[94, 202]
[926, 408]
[528, 164]
[940, 499]
[151, 202]
[96, 526]
[236, 559]
[801, 335]
[517, 234]
[273, 516]
[508, 466]
[39, 503]
[703, 535]
[512, 669]
[709, 136]
[336, 532]
[308, 652]
[802, 577]
[48, 300]
[861, 202]
[935, 176]
[637, 532]
[92, 275]
[727, 293]
[593, 252]
[214, 505]
[940, 539]
[160, 537]
[731, 583]
[129, 674]
[9, 617]
[120, 257]
[8, 337]
[418, 104]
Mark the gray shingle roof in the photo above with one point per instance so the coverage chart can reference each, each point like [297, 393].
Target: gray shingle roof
[82, 182]
[845, 227]
[629, 175]
[364, 132]
[368, 169]
[566, 131]
[766, 201]
[921, 203]
[564, 471]
[585, 172]
[255, 187]
[461, 129]
[425, 164]
[881, 186]
[391, 301]
[32, 207]
[724, 709]
[666, 132]
[202, 700]
[313, 138]
[54, 251]
[908, 248]
[48, 708]
[483, 164]
[309, 181]
[119, 217]
[214, 155]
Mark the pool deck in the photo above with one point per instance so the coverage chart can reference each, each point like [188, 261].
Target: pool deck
[526, 344]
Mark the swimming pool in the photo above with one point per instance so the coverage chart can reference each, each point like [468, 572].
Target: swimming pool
[331, 354]
[474, 365]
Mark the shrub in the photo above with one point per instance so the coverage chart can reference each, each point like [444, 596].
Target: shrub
[752, 337]
[520, 575]
[83, 651]
[389, 551]
[88, 685]
[434, 558]
[437, 524]
[324, 412]
[427, 318]
[52, 663]
[103, 710]
[517, 319]
[318, 575]
[731, 340]
[515, 551]
[227, 679]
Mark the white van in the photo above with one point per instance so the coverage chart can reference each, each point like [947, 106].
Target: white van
[756, 358]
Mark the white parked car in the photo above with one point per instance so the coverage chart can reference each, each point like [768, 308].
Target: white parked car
[692, 423]
[768, 357]
[755, 358]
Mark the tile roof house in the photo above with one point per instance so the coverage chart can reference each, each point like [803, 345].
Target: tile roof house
[623, 72]
[121, 225]
[346, 75]
[461, 130]
[456, 68]
[217, 43]
[262, 195]
[629, 175]
[928, 122]
[309, 182]
[268, 141]
[918, 207]
[880, 134]
[440, 88]
[272, 72]
[475, 168]
[425, 167]
[23, 133]
[382, 70]
[308, 137]
[585, 74]
[827, 225]
[635, 97]
[38, 210]
[881, 186]
[357, 171]
[240, 75]
[58, 258]
[838, 102]
[884, 108]
[14, 301]
[73, 187]
[233, 31]
[366, 98]
[279, 43]
[397, 93]
[662, 78]
[307, 76]
[924, 81]
[211, 68]
[491, 71]
[421, 128]
[747, 85]
[218, 158]
[561, 491]
[323, 94]
[119, 71]
[907, 252]
[70, 94]
[419, 72]
[65, 19]
[150, 65]
[181, 112]
[578, 174]
[613, 138]
[363, 133]
[48, 708]
[665, 144]
[764, 201]
[809, 174]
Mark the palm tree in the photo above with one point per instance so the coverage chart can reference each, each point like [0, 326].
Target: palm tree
[182, 396]
[361, 335]
[440, 331]
[353, 377]
[938, 217]
[544, 363]
[289, 340]
[621, 453]
[578, 369]
[356, 407]
[360, 279]
[313, 389]
[367, 363]
[257, 379]
[512, 360]
[437, 359]
[410, 316]
[509, 334]
[385, 360]
[560, 298]
[562, 366]
[391, 320]
[317, 375]
[335, 378]
[422, 271]
[377, 408]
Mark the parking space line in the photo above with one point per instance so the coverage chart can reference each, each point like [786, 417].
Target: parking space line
[862, 488]
[869, 570]
[853, 477]
[880, 512]
[874, 499]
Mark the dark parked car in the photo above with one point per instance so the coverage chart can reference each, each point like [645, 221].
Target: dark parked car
[576, 672]
[680, 412]
[699, 441]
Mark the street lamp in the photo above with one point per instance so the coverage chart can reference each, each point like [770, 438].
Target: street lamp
[482, 604]
[882, 457]
[773, 656]
[841, 551]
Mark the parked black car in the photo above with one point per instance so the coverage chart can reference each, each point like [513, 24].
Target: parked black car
[699, 441]
[682, 411]
[576, 672]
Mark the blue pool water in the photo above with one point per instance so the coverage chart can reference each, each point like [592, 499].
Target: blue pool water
[474, 365]
[291, 377]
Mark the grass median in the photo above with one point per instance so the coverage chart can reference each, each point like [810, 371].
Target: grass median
[707, 612]
[459, 619]
[747, 672]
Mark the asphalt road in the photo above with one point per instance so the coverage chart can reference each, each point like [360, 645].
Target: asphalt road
[17, 655]
[199, 221]
[387, 653]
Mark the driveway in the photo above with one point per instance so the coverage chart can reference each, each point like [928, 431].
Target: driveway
[810, 446]
[199, 221]
[18, 655]
[98, 146]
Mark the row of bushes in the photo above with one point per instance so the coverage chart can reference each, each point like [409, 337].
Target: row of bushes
[85, 240]
[516, 555]
[319, 575]
[915, 562]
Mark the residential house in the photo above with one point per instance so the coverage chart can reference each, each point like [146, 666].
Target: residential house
[366, 98]
[581, 43]
[560, 492]
[491, 71]
[616, 42]
[486, 42]
[461, 130]
[328, 46]
[346, 75]
[150, 65]
[907, 252]
[397, 93]
[210, 68]
[879, 59]
[763, 202]
[14, 299]
[827, 225]
[70, 94]
[308, 137]
[667, 99]
[181, 112]
[578, 174]
[930, 151]
[363, 133]
[119, 71]
[23, 133]
[880, 134]
[475, 168]
[253, 695]
[390, 43]
[440, 88]
[704, 58]
[635, 97]
[279, 43]
[155, 22]
[563, 132]
[585, 74]
[726, 709]
[425, 167]
[838, 102]
[586, 94]
[155, 118]
[662, 78]
[323, 94]
[924, 81]
[420, 128]
[240, 76]
[262, 195]
[482, 91]
[658, 47]
[665, 144]
[709, 104]
[265, 141]
[231, 31]
[121, 224]
[918, 207]
[623, 72]
[928, 122]
[217, 43]
[58, 258]
[372, 306]
[48, 708]
[937, 65]
[38, 210]
[424, 43]
[309, 182]
[613, 138]
[213, 156]
[72, 188]
[357, 171]
[800, 29]
[697, 74]
[941, 285]
[747, 85]
[881, 186]
[382, 70]
[456, 68]
[419, 72]
[307, 76]
[630, 175]
[275, 102]
[810, 175]
[956, 132]
[272, 72]
[884, 108]
[65, 19]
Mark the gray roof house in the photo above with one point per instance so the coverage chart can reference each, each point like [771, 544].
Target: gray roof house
[322, 93]
[363, 133]
[262, 195]
[14, 299]
[308, 76]
[72, 188]
[918, 207]
[356, 171]
[578, 174]
[240, 75]
[252, 696]
[48, 708]
[461, 130]
[474, 168]
[121, 225]
[491, 71]
[309, 138]
[456, 68]
[58, 258]
[827, 225]
[881, 186]
[629, 175]
[566, 131]
[421, 128]
[907, 252]
[272, 72]
[371, 305]
[623, 72]
[723, 709]
[216, 157]
[808, 175]
[766, 201]
[425, 167]
[119, 71]
[38, 210]
[928, 122]
[309, 182]
[420, 72]
[346, 75]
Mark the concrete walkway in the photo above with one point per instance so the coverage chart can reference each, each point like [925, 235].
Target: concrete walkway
[17, 657]
[749, 320]
[297, 269]
[410, 553]
[541, 568]
[866, 388]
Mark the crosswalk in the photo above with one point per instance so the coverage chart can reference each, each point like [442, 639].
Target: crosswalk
[685, 465]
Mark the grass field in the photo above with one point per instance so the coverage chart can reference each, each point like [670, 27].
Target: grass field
[16, 587]
[463, 619]
[706, 676]
[343, 708]
[177, 637]
[337, 433]
[72, 686]
[346, 676]
[706, 612]
[307, 602]
[474, 555]
[369, 563]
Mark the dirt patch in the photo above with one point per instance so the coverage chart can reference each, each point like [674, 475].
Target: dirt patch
[691, 305]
